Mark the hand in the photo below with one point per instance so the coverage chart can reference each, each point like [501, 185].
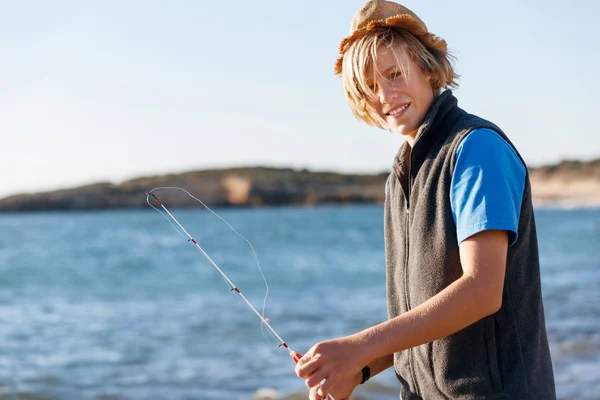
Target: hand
[341, 391]
[335, 361]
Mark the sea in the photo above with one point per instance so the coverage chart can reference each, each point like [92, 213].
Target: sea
[115, 305]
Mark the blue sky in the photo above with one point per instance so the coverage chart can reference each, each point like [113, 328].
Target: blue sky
[111, 90]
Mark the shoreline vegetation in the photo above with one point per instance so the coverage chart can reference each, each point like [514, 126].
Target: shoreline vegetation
[566, 184]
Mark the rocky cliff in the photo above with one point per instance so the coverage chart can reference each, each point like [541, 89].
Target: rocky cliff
[255, 186]
[569, 183]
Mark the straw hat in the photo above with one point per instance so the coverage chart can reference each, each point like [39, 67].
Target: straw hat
[377, 13]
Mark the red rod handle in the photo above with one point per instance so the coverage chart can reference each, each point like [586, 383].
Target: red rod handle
[295, 356]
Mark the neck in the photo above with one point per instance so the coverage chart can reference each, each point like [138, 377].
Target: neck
[411, 138]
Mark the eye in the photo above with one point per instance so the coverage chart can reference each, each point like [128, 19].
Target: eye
[395, 75]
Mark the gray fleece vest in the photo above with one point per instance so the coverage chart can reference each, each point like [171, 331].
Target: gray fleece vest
[502, 356]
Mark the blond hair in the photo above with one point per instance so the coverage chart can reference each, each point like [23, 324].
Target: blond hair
[359, 67]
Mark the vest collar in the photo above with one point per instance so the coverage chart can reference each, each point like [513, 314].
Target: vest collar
[426, 135]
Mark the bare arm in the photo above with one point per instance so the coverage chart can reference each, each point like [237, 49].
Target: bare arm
[475, 295]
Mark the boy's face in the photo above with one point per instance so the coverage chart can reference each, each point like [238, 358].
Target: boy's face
[402, 101]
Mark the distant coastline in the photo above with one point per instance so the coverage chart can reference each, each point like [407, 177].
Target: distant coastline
[568, 183]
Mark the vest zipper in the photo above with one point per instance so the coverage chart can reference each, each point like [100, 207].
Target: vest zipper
[406, 292]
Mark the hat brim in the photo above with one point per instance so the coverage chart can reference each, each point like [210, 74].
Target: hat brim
[400, 21]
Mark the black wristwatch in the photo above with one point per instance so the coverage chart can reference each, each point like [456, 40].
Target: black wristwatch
[366, 374]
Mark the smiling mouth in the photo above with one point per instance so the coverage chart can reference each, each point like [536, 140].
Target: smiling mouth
[398, 111]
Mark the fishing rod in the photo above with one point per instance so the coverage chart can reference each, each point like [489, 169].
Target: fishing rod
[265, 321]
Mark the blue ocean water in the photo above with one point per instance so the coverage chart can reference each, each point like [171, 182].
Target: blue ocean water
[116, 305]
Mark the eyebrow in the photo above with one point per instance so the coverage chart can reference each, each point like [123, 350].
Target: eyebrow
[385, 72]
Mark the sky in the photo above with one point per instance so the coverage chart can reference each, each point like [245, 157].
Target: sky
[111, 90]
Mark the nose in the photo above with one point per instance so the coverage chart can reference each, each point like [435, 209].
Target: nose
[386, 93]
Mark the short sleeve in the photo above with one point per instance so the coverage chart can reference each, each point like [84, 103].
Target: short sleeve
[487, 185]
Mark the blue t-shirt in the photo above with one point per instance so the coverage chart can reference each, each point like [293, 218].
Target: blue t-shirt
[487, 186]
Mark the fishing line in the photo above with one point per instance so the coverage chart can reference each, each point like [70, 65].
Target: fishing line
[178, 227]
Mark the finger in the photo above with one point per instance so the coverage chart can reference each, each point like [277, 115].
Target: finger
[333, 395]
[307, 369]
[326, 386]
[303, 361]
[317, 377]
[329, 396]
[313, 395]
[307, 356]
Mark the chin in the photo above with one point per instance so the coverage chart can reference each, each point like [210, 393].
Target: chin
[400, 130]
[405, 130]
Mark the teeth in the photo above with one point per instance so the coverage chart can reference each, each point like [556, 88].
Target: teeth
[399, 110]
